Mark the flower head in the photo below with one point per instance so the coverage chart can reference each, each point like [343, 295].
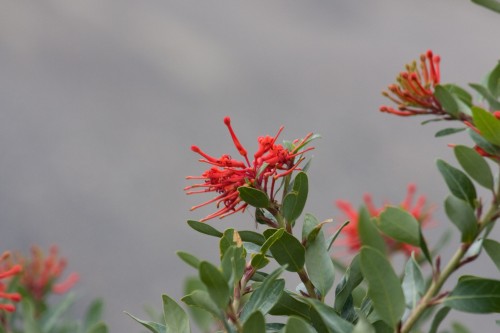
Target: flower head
[41, 273]
[271, 161]
[351, 236]
[6, 273]
[414, 91]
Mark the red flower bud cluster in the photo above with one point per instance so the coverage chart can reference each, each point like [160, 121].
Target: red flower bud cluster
[226, 175]
[414, 93]
[352, 240]
[6, 273]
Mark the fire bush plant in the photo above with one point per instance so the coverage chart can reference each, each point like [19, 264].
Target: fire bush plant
[247, 290]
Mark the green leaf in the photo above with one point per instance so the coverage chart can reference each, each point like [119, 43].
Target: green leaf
[448, 131]
[252, 237]
[255, 323]
[459, 93]
[290, 305]
[369, 233]
[462, 215]
[203, 319]
[259, 261]
[459, 328]
[363, 326]
[438, 318]
[287, 250]
[93, 314]
[254, 197]
[487, 124]
[231, 237]
[201, 299]
[176, 319]
[54, 313]
[99, 327]
[413, 283]
[298, 325]
[493, 81]
[447, 100]
[459, 184]
[332, 239]
[216, 285]
[384, 287]
[319, 264]
[483, 143]
[272, 235]
[188, 259]
[475, 295]
[352, 278]
[265, 296]
[424, 247]
[29, 322]
[295, 201]
[204, 228]
[487, 95]
[400, 225]
[233, 264]
[475, 165]
[325, 319]
[490, 4]
[150, 325]
[492, 247]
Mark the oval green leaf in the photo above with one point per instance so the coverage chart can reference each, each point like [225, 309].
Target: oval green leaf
[217, 286]
[176, 319]
[204, 228]
[447, 100]
[459, 184]
[255, 323]
[369, 233]
[254, 197]
[475, 165]
[400, 225]
[287, 250]
[295, 201]
[475, 295]
[298, 325]
[384, 286]
[492, 247]
[487, 124]
[462, 215]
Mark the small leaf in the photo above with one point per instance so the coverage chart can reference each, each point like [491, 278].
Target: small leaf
[255, 323]
[475, 295]
[487, 124]
[486, 94]
[231, 237]
[252, 237]
[459, 184]
[319, 264]
[492, 247]
[204, 228]
[384, 287]
[216, 285]
[201, 299]
[461, 214]
[490, 4]
[438, 318]
[332, 239]
[493, 81]
[289, 305]
[325, 319]
[274, 235]
[189, 259]
[287, 250]
[369, 233]
[400, 225]
[150, 325]
[298, 325]
[94, 313]
[295, 201]
[448, 131]
[363, 326]
[447, 100]
[475, 165]
[265, 296]
[413, 283]
[203, 319]
[424, 247]
[176, 319]
[351, 280]
[254, 197]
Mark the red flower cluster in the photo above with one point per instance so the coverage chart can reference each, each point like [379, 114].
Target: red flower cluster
[413, 92]
[352, 239]
[41, 272]
[4, 274]
[226, 175]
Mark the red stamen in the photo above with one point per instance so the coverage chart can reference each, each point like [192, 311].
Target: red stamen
[237, 143]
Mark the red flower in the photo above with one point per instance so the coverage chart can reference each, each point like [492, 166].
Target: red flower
[41, 273]
[4, 274]
[414, 93]
[352, 240]
[226, 175]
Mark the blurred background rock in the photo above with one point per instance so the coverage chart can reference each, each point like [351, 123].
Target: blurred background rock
[100, 101]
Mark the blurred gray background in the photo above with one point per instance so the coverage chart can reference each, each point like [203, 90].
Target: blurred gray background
[100, 101]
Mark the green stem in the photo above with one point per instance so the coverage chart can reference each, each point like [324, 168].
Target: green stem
[452, 266]
[307, 283]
